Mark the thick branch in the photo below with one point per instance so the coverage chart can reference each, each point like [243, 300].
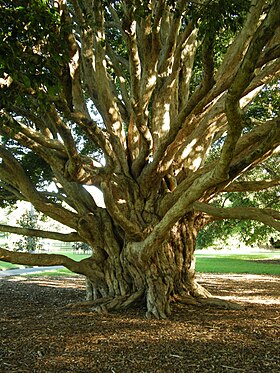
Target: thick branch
[90, 127]
[65, 237]
[261, 37]
[40, 145]
[11, 192]
[256, 152]
[251, 186]
[266, 216]
[170, 26]
[40, 260]
[238, 48]
[65, 133]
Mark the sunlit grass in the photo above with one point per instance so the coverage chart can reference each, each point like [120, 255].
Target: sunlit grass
[5, 266]
[58, 272]
[237, 263]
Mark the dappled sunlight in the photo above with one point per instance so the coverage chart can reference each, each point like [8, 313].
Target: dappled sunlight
[253, 299]
[59, 284]
[74, 282]
[243, 288]
[241, 277]
[47, 337]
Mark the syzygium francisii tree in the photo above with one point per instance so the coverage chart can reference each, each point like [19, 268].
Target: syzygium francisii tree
[171, 82]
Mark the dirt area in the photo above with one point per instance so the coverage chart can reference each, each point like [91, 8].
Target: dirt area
[39, 334]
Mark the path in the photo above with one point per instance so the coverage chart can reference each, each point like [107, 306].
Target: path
[24, 271]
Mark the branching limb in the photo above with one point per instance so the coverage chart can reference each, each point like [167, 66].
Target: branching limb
[238, 48]
[251, 186]
[60, 156]
[109, 102]
[266, 216]
[98, 83]
[91, 128]
[241, 80]
[65, 237]
[132, 229]
[11, 193]
[259, 150]
[208, 80]
[77, 98]
[40, 260]
[142, 83]
[129, 29]
[36, 143]
[13, 173]
[116, 63]
[170, 26]
[252, 148]
[64, 132]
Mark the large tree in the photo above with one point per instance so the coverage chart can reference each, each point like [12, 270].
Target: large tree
[149, 101]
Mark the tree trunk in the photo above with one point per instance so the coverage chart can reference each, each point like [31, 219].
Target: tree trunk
[168, 276]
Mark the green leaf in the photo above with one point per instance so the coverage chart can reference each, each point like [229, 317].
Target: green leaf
[26, 81]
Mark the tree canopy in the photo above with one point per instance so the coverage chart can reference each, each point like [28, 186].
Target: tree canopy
[164, 106]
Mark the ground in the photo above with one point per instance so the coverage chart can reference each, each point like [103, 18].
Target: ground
[39, 334]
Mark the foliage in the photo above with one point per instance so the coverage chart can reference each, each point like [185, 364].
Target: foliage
[28, 40]
[266, 103]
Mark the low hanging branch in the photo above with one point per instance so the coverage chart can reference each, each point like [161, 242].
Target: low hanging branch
[40, 260]
[69, 237]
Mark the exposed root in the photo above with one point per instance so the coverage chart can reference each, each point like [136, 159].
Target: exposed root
[220, 303]
[187, 299]
[199, 291]
[105, 304]
[210, 301]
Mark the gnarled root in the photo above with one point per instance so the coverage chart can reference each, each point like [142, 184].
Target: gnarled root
[220, 303]
[105, 304]
[198, 295]
[209, 301]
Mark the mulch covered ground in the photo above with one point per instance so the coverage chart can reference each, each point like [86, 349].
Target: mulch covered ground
[39, 334]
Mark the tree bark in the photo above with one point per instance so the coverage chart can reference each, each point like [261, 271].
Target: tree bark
[167, 277]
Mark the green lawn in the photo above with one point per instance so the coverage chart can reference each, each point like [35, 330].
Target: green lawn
[237, 263]
[4, 265]
[205, 262]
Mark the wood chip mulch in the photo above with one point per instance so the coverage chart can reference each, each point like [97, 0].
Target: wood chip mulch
[39, 334]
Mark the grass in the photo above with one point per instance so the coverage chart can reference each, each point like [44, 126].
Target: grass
[4, 266]
[214, 262]
[59, 272]
[237, 263]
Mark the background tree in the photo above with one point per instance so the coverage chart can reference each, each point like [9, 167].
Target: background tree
[30, 244]
[172, 84]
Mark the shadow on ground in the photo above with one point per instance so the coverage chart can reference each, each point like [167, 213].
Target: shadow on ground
[38, 334]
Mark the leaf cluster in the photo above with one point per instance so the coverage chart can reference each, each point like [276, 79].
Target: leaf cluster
[266, 104]
[29, 34]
